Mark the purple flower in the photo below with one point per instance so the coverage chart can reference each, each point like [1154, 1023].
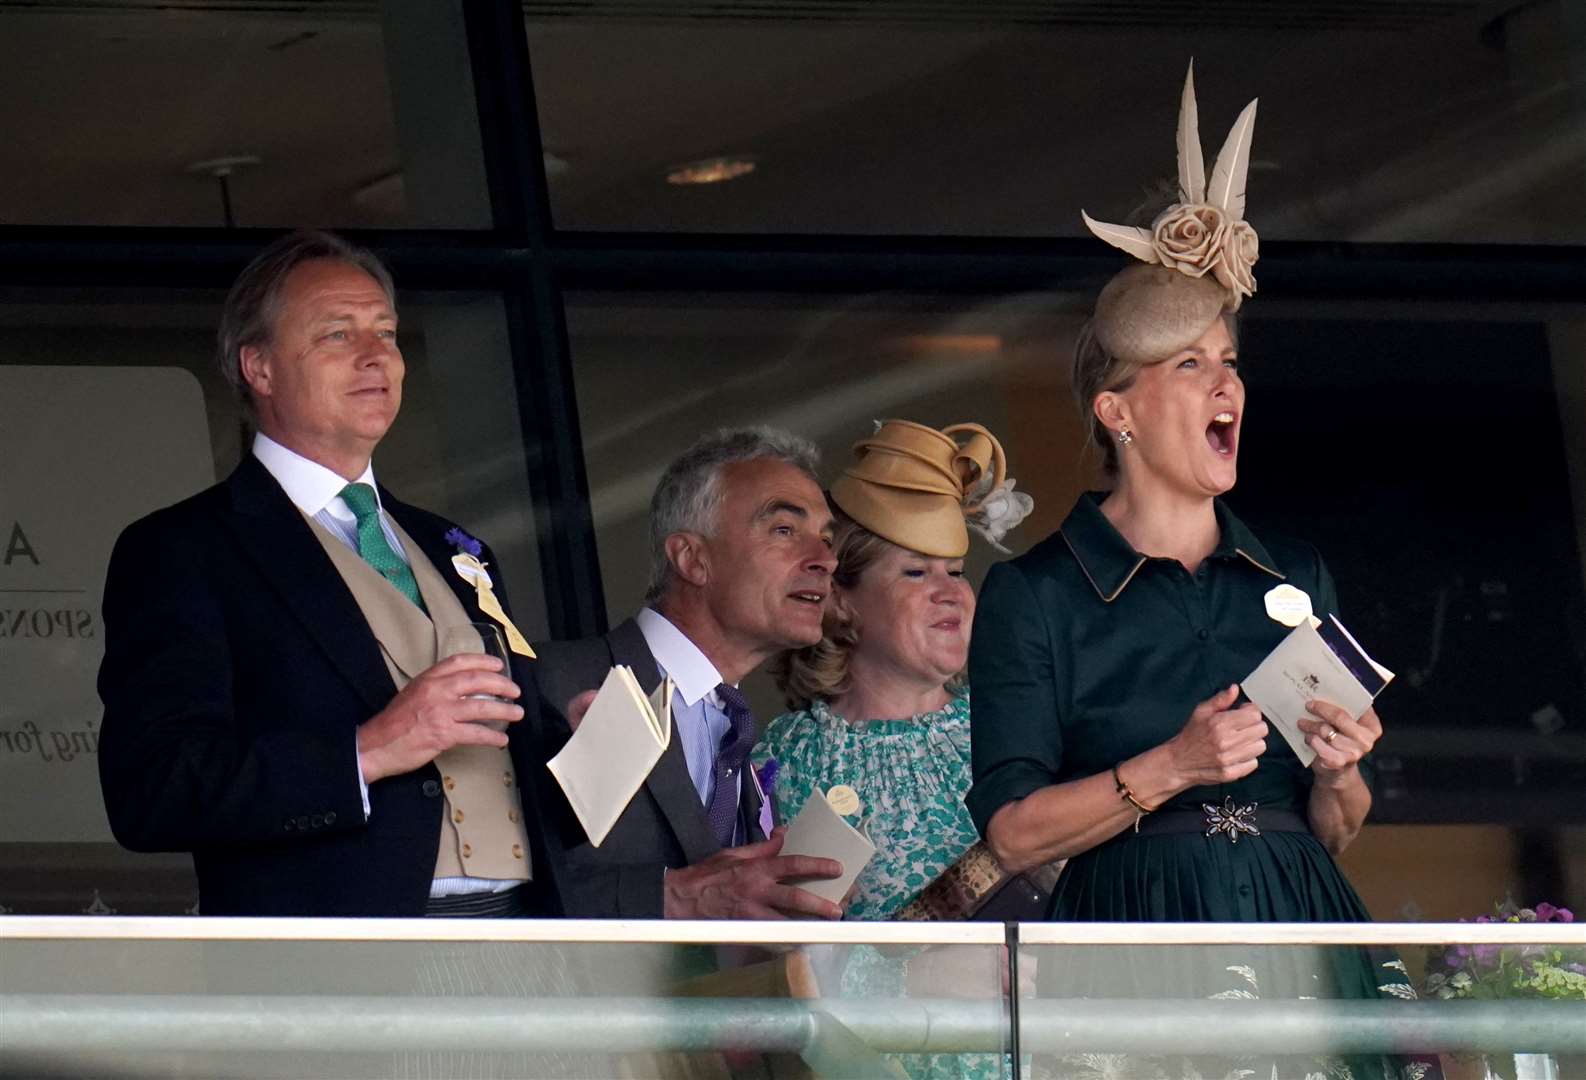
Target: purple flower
[1546, 912]
[463, 542]
[767, 774]
[1487, 954]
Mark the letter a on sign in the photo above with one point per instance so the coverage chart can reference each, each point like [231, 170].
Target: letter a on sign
[18, 546]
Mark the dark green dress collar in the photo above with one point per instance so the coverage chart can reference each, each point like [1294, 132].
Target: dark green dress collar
[1111, 562]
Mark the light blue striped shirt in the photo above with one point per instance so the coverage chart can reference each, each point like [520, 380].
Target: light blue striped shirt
[697, 714]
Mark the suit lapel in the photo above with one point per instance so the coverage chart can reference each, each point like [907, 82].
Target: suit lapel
[446, 607]
[421, 531]
[271, 531]
[406, 636]
[669, 783]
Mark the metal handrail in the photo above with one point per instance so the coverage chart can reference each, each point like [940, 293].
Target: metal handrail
[39, 1024]
[681, 932]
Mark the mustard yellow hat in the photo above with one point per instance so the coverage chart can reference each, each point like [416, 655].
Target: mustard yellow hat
[923, 489]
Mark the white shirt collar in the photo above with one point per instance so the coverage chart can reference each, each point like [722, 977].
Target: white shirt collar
[309, 485]
[692, 673]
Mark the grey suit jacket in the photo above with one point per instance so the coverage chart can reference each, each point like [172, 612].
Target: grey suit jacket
[663, 827]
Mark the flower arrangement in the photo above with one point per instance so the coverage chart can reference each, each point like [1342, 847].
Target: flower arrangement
[1510, 971]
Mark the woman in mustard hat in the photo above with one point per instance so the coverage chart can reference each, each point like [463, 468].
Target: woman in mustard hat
[1107, 725]
[881, 712]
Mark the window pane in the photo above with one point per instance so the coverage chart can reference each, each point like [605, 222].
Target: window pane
[1386, 121]
[307, 114]
[514, 998]
[111, 406]
[1436, 456]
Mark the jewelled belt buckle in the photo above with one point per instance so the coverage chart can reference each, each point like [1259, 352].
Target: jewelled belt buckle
[1230, 820]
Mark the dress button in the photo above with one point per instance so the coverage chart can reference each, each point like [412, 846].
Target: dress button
[506, 779]
[330, 817]
[512, 815]
[1244, 890]
[431, 788]
[468, 851]
[449, 782]
[1203, 633]
[289, 825]
[318, 820]
[457, 816]
[302, 821]
[517, 851]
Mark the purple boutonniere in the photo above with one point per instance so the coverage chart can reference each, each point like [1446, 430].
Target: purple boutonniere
[463, 542]
[765, 775]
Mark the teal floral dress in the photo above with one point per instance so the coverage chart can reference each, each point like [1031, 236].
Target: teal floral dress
[910, 776]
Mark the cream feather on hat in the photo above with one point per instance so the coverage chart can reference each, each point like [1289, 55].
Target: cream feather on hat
[923, 489]
[1197, 257]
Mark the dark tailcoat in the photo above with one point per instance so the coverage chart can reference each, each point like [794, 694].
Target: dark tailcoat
[237, 669]
[665, 825]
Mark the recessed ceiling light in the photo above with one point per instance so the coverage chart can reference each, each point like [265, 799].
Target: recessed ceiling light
[224, 166]
[714, 170]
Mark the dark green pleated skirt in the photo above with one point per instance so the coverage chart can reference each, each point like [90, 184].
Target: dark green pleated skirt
[1188, 877]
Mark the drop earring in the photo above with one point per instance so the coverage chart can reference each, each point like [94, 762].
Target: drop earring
[1125, 437]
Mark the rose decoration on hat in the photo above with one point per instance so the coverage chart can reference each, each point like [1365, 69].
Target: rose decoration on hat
[1239, 254]
[1205, 231]
[1189, 239]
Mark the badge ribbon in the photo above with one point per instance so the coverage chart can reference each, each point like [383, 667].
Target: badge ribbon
[472, 570]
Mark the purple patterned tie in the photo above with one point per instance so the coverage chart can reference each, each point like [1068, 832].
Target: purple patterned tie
[730, 758]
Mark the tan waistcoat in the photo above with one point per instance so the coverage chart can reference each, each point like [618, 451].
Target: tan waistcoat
[482, 833]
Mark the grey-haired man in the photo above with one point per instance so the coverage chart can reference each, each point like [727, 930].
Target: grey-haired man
[741, 564]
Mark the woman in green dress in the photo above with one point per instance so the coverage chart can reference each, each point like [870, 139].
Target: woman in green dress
[881, 714]
[1108, 727]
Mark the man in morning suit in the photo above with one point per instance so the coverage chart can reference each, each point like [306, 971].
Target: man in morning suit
[741, 564]
[273, 700]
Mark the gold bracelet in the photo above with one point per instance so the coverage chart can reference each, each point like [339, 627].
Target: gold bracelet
[1140, 808]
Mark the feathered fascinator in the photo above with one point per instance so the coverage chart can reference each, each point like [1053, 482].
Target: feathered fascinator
[1145, 313]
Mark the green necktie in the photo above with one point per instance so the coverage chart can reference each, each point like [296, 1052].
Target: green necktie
[372, 544]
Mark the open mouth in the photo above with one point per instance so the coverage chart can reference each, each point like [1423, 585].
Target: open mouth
[1220, 433]
[814, 598]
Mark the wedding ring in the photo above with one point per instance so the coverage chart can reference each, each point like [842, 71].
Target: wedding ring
[1332, 733]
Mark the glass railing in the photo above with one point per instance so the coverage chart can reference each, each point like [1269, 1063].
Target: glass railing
[187, 997]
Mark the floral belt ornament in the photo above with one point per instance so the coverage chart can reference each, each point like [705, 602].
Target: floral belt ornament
[1230, 820]
[470, 569]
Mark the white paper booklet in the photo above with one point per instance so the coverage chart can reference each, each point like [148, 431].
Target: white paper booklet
[621, 738]
[1316, 660]
[820, 831]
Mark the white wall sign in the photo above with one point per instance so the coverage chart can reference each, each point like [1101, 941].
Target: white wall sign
[84, 451]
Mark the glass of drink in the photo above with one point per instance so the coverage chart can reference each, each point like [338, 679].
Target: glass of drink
[478, 638]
